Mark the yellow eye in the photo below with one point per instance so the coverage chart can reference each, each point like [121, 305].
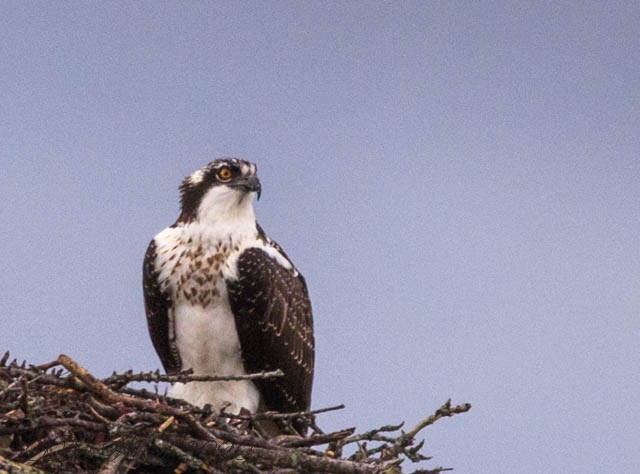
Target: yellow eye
[225, 174]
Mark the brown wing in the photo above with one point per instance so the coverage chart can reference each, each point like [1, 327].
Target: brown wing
[158, 307]
[275, 327]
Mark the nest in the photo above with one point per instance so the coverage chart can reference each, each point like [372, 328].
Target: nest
[57, 417]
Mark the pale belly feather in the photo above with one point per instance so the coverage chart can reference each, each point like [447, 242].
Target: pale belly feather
[208, 343]
[205, 328]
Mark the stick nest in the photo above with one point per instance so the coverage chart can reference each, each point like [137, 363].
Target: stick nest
[57, 417]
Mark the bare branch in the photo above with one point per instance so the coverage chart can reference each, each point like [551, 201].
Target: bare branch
[184, 377]
[58, 417]
[444, 411]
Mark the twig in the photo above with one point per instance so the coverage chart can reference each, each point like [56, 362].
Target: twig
[315, 440]
[49, 422]
[190, 460]
[166, 424]
[444, 411]
[66, 420]
[184, 377]
[112, 463]
[437, 470]
[104, 392]
[24, 397]
[273, 415]
[53, 449]
[374, 435]
[13, 467]
[276, 458]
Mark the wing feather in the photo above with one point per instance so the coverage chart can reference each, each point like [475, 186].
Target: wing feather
[158, 306]
[275, 326]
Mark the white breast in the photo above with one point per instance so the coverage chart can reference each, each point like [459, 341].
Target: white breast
[208, 343]
[193, 265]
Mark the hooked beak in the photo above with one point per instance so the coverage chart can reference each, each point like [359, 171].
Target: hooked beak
[250, 185]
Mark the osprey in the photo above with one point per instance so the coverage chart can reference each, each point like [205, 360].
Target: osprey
[223, 299]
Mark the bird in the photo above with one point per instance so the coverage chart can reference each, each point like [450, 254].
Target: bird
[222, 298]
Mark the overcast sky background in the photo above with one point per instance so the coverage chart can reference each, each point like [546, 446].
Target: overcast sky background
[458, 182]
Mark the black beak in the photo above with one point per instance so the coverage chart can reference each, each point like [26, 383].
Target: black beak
[250, 185]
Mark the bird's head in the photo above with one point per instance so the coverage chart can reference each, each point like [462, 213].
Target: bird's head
[222, 189]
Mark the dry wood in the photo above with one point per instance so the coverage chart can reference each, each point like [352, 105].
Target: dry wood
[58, 417]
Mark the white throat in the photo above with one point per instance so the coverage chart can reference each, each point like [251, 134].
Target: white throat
[227, 210]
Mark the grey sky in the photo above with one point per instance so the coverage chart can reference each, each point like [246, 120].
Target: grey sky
[458, 182]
